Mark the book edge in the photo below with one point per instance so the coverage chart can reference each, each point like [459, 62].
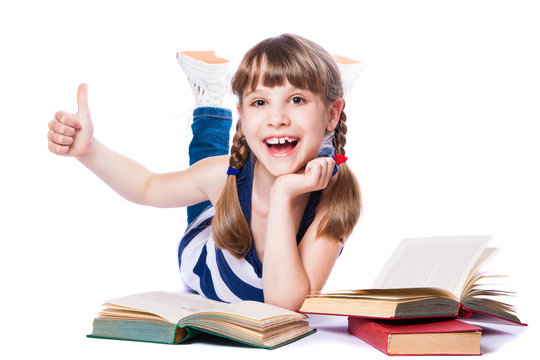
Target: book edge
[193, 331]
[312, 331]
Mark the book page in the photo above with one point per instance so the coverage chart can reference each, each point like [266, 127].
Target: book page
[443, 262]
[256, 310]
[173, 306]
[487, 254]
[170, 306]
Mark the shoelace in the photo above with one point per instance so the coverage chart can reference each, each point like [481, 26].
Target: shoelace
[210, 93]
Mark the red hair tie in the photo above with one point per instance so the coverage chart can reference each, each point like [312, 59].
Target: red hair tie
[340, 159]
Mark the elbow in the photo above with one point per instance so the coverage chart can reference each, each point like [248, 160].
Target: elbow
[139, 192]
[287, 299]
[147, 194]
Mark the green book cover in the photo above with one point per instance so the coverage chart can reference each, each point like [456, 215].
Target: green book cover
[163, 333]
[171, 318]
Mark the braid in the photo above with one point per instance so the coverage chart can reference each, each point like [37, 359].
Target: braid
[239, 150]
[345, 202]
[230, 229]
[340, 133]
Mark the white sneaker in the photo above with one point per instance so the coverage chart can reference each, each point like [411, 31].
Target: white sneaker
[208, 75]
[350, 71]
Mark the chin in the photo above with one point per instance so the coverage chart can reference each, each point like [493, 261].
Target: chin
[281, 173]
[277, 171]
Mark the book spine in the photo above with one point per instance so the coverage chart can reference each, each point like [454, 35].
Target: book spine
[463, 312]
[369, 332]
[148, 331]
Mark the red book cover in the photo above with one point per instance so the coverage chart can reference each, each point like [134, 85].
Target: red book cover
[445, 337]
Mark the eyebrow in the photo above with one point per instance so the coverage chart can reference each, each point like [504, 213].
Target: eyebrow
[249, 93]
[258, 90]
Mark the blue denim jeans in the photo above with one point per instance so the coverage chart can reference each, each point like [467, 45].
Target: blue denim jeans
[211, 127]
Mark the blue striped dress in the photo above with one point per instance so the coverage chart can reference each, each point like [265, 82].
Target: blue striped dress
[216, 273]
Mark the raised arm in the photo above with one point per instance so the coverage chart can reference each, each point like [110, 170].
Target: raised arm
[73, 135]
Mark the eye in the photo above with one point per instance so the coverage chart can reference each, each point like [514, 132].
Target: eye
[258, 103]
[297, 100]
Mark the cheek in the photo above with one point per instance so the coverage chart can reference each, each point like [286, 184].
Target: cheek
[251, 123]
[250, 133]
[245, 127]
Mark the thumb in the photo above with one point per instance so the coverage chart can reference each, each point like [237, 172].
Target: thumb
[82, 100]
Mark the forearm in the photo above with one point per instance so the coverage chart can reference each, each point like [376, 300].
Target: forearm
[285, 281]
[124, 175]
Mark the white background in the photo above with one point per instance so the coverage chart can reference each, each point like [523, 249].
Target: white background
[442, 136]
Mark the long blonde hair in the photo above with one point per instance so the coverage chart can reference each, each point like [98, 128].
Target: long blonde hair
[304, 65]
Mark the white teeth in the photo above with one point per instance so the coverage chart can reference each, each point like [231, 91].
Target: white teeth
[275, 140]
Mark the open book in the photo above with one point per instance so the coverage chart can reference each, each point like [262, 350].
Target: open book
[425, 277]
[166, 317]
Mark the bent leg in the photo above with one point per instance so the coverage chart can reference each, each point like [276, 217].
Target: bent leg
[209, 79]
[211, 128]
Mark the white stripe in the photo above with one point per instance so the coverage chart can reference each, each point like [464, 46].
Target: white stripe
[192, 252]
[222, 290]
[189, 258]
[202, 217]
[243, 269]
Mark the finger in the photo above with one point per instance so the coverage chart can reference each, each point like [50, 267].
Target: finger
[331, 165]
[58, 149]
[67, 119]
[322, 162]
[313, 169]
[329, 172]
[325, 166]
[325, 175]
[59, 139]
[82, 100]
[60, 128]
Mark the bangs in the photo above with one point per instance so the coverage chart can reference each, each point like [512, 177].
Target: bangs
[275, 61]
[275, 69]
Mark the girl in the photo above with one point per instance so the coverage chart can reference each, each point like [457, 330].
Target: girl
[278, 217]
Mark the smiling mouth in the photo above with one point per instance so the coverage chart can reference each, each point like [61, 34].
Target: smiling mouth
[281, 145]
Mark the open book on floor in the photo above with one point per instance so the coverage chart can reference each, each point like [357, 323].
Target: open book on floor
[166, 317]
[425, 277]
[418, 337]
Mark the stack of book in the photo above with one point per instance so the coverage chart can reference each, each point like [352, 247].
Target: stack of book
[417, 298]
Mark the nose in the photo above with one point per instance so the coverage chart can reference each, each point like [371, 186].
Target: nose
[278, 116]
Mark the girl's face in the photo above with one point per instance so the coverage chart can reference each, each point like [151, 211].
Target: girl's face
[284, 126]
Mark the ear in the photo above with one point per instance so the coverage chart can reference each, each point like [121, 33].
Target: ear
[334, 114]
[239, 110]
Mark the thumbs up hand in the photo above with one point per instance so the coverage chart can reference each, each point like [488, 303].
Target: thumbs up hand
[72, 134]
